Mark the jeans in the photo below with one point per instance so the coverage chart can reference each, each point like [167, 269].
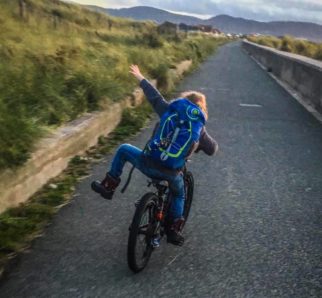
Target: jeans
[133, 155]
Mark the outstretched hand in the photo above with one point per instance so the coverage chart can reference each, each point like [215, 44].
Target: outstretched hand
[135, 70]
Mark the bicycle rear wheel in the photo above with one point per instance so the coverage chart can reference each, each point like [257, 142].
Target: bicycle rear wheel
[139, 247]
[189, 185]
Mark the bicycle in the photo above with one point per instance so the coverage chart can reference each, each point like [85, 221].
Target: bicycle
[148, 224]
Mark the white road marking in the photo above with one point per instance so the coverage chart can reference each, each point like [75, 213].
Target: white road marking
[231, 181]
[249, 105]
[172, 260]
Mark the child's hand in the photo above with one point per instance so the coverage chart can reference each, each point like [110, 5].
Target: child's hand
[135, 70]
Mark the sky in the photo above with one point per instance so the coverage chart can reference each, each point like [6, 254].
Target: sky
[261, 10]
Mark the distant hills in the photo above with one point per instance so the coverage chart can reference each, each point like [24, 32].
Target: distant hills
[239, 25]
[149, 13]
[225, 23]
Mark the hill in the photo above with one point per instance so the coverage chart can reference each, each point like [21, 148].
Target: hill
[239, 25]
[59, 60]
[150, 13]
[225, 23]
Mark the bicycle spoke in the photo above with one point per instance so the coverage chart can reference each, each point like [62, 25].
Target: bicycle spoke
[142, 232]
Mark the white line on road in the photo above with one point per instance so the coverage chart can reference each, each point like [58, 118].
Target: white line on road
[172, 260]
[249, 105]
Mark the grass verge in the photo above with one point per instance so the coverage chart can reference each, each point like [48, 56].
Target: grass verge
[291, 45]
[20, 225]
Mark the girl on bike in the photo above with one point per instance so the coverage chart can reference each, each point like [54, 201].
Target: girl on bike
[153, 168]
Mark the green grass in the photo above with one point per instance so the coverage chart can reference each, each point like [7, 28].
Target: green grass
[61, 60]
[289, 44]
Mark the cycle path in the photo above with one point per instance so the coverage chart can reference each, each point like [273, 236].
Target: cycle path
[255, 224]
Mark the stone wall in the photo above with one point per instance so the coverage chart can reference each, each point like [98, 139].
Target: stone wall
[53, 153]
[302, 74]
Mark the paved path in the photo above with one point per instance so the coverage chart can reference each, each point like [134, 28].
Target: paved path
[255, 226]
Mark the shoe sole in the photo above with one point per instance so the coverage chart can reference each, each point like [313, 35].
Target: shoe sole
[96, 186]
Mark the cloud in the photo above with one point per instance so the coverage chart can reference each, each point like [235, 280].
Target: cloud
[287, 10]
[262, 10]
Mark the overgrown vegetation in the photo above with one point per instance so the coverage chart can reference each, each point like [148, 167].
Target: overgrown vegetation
[59, 60]
[291, 45]
[18, 226]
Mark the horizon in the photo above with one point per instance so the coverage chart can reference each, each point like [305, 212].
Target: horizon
[252, 14]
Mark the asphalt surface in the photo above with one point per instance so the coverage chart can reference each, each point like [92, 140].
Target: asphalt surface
[255, 228]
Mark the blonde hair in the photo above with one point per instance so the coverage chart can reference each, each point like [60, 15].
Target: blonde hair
[198, 99]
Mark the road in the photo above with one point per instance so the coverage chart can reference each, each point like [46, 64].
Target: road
[256, 222]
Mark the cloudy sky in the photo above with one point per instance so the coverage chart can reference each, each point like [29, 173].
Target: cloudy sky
[262, 10]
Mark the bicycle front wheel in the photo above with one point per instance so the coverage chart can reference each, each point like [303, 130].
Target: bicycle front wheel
[140, 248]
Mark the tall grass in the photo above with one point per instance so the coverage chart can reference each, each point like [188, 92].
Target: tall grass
[291, 45]
[60, 60]
[19, 225]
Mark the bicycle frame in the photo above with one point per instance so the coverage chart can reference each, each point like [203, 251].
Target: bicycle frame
[155, 205]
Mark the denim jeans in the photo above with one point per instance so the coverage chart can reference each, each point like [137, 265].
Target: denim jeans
[133, 155]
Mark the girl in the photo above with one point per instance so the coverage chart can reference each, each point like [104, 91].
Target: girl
[154, 169]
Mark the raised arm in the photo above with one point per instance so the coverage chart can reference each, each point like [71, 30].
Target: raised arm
[157, 101]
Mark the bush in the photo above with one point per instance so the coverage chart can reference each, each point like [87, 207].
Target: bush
[287, 45]
[269, 41]
[318, 53]
[161, 73]
[310, 49]
[17, 134]
[300, 47]
[152, 40]
[291, 45]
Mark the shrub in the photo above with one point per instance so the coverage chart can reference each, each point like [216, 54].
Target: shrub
[310, 49]
[17, 134]
[300, 47]
[287, 44]
[318, 53]
[152, 40]
[161, 73]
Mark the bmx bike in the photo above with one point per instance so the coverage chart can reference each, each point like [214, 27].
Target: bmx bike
[148, 224]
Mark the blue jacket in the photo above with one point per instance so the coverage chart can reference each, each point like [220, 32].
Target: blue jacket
[160, 105]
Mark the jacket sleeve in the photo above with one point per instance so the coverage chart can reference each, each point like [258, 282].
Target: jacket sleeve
[206, 143]
[157, 101]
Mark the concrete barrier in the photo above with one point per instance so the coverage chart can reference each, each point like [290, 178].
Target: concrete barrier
[53, 153]
[302, 74]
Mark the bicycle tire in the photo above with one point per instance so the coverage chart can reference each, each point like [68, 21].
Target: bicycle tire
[146, 203]
[189, 187]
